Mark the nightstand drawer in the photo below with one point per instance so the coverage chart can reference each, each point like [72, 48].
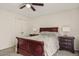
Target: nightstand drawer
[66, 48]
[65, 43]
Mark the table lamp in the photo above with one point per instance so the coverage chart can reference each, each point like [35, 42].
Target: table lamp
[66, 30]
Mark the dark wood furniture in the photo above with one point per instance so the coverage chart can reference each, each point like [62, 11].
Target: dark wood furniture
[66, 43]
[30, 47]
[33, 34]
[49, 29]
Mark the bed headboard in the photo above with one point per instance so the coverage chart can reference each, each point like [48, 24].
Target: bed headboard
[49, 29]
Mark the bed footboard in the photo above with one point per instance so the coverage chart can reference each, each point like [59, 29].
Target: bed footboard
[29, 47]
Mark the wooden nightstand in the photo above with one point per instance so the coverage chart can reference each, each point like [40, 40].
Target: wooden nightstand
[33, 34]
[66, 43]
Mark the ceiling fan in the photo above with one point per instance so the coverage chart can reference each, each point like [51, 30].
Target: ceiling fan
[30, 5]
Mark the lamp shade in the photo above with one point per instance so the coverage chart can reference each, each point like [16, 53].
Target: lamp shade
[66, 29]
[34, 29]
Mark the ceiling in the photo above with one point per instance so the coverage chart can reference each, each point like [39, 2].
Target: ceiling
[48, 8]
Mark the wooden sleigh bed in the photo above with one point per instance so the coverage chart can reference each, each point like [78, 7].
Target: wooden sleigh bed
[29, 47]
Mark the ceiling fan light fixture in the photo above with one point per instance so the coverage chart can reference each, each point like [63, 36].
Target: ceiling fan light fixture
[28, 5]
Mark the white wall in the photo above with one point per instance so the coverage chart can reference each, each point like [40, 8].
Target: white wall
[65, 18]
[11, 25]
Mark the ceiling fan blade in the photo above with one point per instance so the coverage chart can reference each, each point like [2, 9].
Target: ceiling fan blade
[33, 8]
[38, 4]
[22, 6]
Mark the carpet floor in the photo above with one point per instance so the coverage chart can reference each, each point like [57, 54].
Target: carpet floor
[11, 52]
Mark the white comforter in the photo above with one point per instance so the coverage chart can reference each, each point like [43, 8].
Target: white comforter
[51, 44]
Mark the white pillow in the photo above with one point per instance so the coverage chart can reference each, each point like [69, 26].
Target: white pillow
[49, 33]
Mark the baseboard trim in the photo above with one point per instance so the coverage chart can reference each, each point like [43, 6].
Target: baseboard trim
[8, 47]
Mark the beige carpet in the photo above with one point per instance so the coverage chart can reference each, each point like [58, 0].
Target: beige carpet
[11, 52]
[65, 53]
